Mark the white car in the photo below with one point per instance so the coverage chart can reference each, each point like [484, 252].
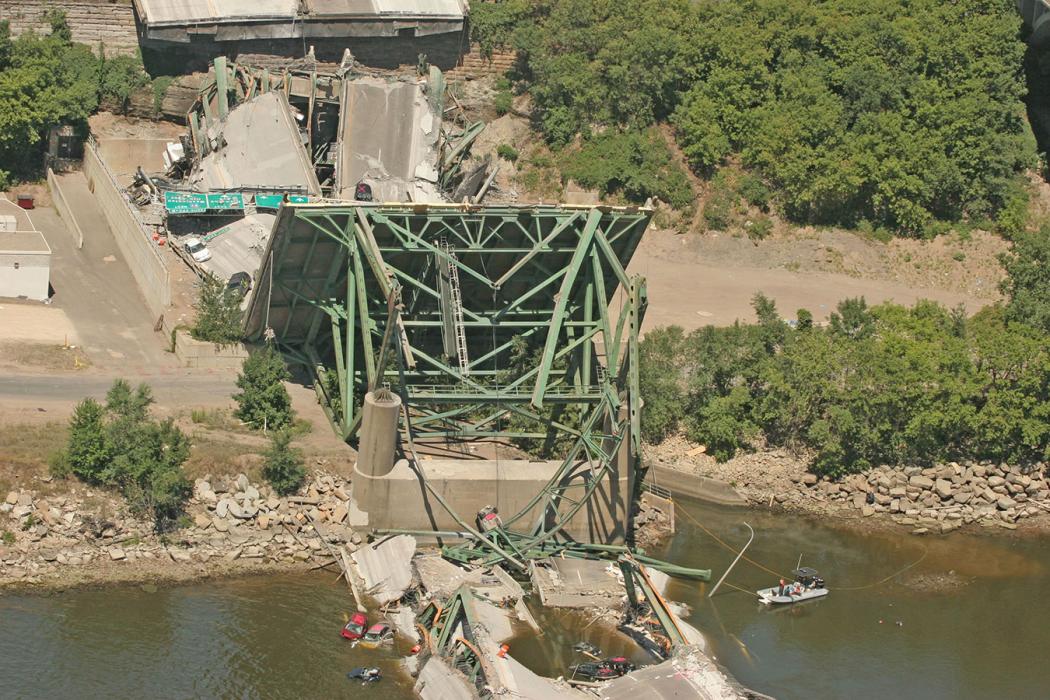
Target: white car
[196, 249]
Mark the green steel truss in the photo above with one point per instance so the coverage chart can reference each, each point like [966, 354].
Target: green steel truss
[491, 321]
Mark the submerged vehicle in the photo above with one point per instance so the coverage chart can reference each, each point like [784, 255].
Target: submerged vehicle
[355, 627]
[365, 674]
[378, 634]
[603, 670]
[807, 585]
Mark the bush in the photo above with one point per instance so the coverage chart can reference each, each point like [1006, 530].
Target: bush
[507, 152]
[760, 228]
[218, 313]
[263, 402]
[753, 190]
[1027, 284]
[121, 446]
[635, 164]
[721, 203]
[283, 465]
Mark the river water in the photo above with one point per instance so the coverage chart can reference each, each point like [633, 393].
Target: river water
[985, 636]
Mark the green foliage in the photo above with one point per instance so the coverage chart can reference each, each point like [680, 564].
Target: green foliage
[636, 164]
[119, 445]
[218, 313]
[721, 202]
[760, 228]
[507, 152]
[1028, 279]
[44, 81]
[283, 464]
[263, 402]
[879, 385]
[901, 113]
[753, 190]
[492, 24]
[160, 86]
[8, 538]
[120, 78]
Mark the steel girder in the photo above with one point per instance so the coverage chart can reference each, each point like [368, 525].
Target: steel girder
[336, 277]
[537, 298]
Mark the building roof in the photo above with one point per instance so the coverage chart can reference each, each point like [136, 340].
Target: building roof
[24, 242]
[379, 8]
[9, 210]
[180, 12]
[262, 150]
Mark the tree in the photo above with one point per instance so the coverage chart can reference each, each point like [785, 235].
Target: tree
[283, 465]
[660, 371]
[121, 446]
[218, 313]
[88, 453]
[1027, 282]
[263, 402]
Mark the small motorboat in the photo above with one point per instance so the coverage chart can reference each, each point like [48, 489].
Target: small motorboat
[365, 674]
[807, 585]
[603, 670]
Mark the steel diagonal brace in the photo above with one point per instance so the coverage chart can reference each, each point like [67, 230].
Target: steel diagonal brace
[367, 242]
[583, 249]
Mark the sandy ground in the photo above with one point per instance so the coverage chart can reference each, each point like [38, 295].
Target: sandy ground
[697, 280]
[36, 322]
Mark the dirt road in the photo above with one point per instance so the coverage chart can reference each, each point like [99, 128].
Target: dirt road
[691, 286]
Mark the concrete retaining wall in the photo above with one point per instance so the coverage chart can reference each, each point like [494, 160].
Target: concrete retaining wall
[111, 22]
[699, 487]
[203, 355]
[400, 500]
[134, 242]
[63, 208]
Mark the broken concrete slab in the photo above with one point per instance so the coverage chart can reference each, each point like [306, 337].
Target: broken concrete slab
[238, 246]
[689, 673]
[386, 567]
[577, 583]
[438, 681]
[257, 146]
[388, 139]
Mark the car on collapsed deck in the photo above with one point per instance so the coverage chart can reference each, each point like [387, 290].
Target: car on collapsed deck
[239, 284]
[196, 249]
[355, 627]
[377, 635]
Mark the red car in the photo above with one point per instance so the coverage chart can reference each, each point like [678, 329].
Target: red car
[355, 629]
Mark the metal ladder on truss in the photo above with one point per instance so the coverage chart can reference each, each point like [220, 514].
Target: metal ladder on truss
[457, 308]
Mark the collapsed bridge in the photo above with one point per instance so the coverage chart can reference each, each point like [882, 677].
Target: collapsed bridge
[485, 323]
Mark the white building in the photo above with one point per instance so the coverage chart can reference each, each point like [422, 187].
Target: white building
[25, 257]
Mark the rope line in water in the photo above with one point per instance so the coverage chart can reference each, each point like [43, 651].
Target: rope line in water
[720, 541]
[717, 539]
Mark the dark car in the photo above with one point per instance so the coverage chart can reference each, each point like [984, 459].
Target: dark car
[363, 192]
[604, 670]
[239, 283]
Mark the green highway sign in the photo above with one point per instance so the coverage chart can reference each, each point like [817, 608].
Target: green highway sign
[269, 201]
[226, 200]
[185, 202]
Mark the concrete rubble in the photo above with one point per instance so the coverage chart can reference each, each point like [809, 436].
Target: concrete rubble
[386, 567]
[689, 673]
[577, 583]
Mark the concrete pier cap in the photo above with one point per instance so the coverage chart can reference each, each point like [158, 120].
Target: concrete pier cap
[378, 442]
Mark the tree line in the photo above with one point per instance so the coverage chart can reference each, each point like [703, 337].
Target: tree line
[47, 80]
[877, 385]
[900, 114]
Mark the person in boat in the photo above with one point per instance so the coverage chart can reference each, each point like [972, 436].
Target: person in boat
[781, 590]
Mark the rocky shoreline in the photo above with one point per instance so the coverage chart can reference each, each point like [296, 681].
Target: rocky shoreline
[937, 499]
[231, 528]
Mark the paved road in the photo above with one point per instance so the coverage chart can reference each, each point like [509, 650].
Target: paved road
[182, 389]
[94, 286]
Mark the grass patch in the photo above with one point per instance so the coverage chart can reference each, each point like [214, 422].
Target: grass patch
[25, 450]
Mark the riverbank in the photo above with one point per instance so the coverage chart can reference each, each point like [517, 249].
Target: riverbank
[938, 499]
[86, 537]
